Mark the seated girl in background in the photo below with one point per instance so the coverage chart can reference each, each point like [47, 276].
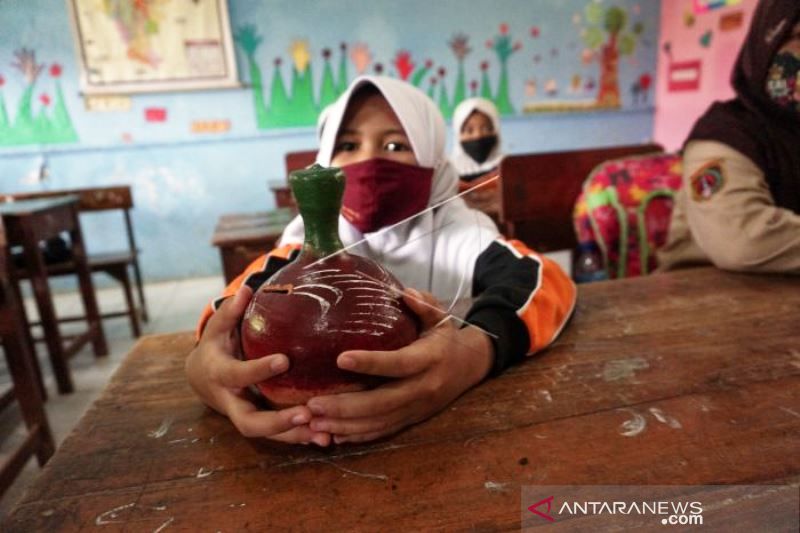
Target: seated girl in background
[385, 132]
[476, 138]
[476, 153]
[739, 207]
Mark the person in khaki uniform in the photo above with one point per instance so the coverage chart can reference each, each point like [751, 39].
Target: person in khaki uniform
[739, 207]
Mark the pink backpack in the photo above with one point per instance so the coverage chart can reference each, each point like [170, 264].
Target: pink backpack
[625, 210]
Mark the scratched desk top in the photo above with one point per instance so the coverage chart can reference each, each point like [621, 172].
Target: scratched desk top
[685, 378]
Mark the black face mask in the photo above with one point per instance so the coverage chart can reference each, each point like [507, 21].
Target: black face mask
[479, 149]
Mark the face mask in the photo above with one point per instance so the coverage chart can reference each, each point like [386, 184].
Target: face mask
[479, 149]
[380, 192]
[783, 81]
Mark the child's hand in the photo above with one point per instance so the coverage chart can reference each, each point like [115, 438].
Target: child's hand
[434, 370]
[220, 379]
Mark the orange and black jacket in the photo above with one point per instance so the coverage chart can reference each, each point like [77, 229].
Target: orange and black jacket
[521, 297]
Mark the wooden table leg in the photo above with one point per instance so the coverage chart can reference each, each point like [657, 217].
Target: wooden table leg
[47, 313]
[27, 336]
[99, 344]
[26, 390]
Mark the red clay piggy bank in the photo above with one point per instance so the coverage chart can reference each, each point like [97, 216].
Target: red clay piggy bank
[324, 303]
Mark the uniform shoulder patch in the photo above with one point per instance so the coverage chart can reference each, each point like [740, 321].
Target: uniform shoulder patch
[707, 181]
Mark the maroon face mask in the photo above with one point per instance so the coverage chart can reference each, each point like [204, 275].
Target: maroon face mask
[380, 192]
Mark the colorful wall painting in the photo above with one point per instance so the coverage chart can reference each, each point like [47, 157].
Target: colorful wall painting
[609, 33]
[565, 56]
[40, 114]
[296, 58]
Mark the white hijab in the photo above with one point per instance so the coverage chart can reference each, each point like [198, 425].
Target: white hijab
[464, 164]
[435, 251]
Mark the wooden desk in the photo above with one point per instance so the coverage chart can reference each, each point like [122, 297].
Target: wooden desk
[242, 237]
[708, 362]
[29, 222]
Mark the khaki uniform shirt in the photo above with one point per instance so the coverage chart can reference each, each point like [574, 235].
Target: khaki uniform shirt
[725, 214]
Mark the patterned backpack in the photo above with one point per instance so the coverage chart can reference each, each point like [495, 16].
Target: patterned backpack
[625, 210]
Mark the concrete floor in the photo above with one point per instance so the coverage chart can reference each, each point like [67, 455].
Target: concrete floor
[173, 306]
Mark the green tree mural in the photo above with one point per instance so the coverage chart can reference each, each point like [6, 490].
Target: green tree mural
[3, 113]
[444, 101]
[486, 85]
[504, 48]
[343, 80]
[421, 72]
[606, 33]
[41, 121]
[249, 40]
[459, 44]
[432, 88]
[280, 113]
[62, 122]
[328, 91]
[301, 102]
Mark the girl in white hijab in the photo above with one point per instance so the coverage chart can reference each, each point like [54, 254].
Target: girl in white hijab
[435, 251]
[476, 138]
[388, 138]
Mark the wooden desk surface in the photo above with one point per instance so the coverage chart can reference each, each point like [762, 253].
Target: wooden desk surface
[686, 378]
[28, 207]
[255, 228]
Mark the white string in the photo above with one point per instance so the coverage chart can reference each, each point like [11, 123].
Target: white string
[426, 304]
[464, 271]
[448, 312]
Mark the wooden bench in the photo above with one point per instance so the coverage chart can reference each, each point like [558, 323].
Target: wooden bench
[117, 263]
[538, 192]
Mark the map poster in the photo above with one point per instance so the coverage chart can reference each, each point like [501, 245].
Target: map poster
[133, 46]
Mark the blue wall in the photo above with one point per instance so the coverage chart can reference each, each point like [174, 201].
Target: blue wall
[183, 182]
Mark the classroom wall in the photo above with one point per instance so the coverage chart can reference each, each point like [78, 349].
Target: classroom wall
[183, 181]
[707, 40]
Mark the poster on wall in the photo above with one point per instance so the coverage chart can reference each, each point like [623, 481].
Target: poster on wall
[129, 46]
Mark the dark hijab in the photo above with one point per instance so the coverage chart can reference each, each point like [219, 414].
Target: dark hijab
[752, 123]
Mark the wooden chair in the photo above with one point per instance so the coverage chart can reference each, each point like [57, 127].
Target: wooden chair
[538, 193]
[23, 368]
[116, 264]
[298, 160]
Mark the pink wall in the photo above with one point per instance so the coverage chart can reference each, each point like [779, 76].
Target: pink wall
[676, 111]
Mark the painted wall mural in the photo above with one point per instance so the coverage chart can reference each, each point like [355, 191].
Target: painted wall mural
[586, 42]
[528, 56]
[40, 114]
